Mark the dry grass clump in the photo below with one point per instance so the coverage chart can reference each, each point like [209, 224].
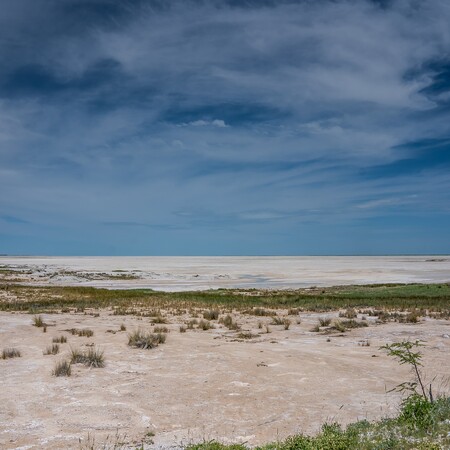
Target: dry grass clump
[59, 340]
[85, 332]
[349, 313]
[277, 320]
[212, 314]
[412, 317]
[145, 340]
[229, 323]
[246, 335]
[123, 327]
[160, 330]
[324, 321]
[287, 324]
[9, 353]
[39, 322]
[205, 325]
[354, 324]
[159, 319]
[91, 358]
[182, 329]
[52, 350]
[62, 369]
[315, 328]
[191, 324]
[293, 311]
[257, 312]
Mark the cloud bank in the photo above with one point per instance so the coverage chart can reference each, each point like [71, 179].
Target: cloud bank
[224, 127]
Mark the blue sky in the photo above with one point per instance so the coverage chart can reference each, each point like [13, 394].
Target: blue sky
[224, 127]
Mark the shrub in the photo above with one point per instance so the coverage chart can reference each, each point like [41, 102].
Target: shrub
[229, 323]
[286, 323]
[59, 340]
[205, 325]
[8, 353]
[324, 321]
[277, 320]
[160, 330]
[212, 314]
[182, 329]
[159, 319]
[354, 324]
[62, 369]
[191, 324]
[123, 327]
[349, 313]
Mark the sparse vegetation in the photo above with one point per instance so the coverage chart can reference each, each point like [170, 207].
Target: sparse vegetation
[85, 332]
[145, 340]
[324, 321]
[59, 340]
[212, 314]
[91, 358]
[228, 322]
[205, 325]
[160, 330]
[123, 327]
[9, 353]
[38, 321]
[62, 369]
[286, 323]
[182, 329]
[433, 298]
[246, 335]
[52, 349]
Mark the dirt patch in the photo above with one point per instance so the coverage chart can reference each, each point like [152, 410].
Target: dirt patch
[201, 384]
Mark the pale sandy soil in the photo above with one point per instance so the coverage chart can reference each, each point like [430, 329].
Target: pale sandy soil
[202, 384]
[197, 273]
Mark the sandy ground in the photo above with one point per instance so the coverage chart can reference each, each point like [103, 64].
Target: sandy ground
[201, 384]
[196, 273]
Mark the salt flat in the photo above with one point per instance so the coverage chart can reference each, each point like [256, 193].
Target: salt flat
[198, 273]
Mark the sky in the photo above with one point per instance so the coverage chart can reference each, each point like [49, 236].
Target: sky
[224, 127]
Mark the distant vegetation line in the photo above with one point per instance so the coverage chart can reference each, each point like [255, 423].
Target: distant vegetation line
[406, 297]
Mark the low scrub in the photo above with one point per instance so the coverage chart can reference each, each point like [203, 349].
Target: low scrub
[205, 325]
[62, 369]
[9, 353]
[52, 349]
[212, 314]
[59, 340]
[85, 332]
[228, 322]
[91, 358]
[39, 322]
[145, 340]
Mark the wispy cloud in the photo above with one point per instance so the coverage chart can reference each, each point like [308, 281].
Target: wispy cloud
[116, 116]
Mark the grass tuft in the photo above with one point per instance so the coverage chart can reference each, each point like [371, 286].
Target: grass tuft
[52, 350]
[145, 340]
[62, 369]
[9, 353]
